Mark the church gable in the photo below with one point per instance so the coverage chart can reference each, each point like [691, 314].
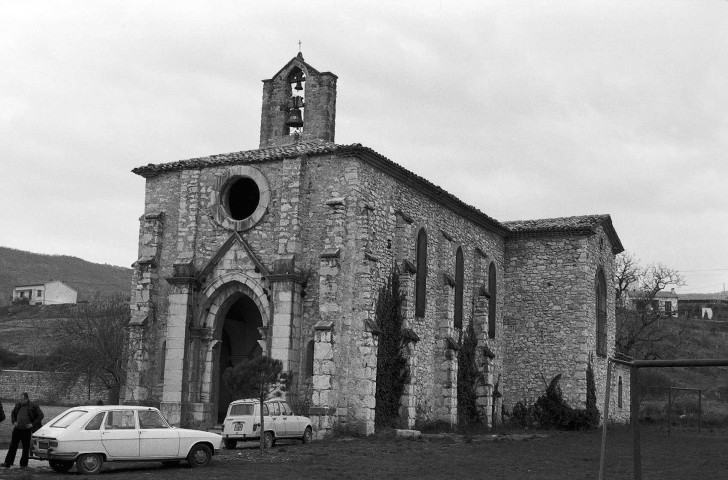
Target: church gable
[234, 255]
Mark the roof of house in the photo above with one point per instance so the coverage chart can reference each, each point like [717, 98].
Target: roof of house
[320, 147]
[43, 285]
[637, 295]
[581, 225]
[704, 297]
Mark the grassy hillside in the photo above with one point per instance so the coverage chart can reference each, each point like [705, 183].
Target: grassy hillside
[702, 339]
[28, 336]
[89, 279]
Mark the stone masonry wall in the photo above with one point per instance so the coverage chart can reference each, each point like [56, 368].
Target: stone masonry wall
[600, 256]
[49, 387]
[387, 203]
[549, 289]
[550, 317]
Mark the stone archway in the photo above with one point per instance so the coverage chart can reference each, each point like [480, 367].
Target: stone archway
[237, 314]
[239, 342]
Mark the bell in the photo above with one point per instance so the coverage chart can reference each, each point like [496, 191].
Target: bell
[294, 118]
[298, 85]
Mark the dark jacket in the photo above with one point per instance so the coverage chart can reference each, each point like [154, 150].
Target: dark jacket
[34, 411]
[2, 413]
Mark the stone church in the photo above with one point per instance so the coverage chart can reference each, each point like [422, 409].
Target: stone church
[282, 250]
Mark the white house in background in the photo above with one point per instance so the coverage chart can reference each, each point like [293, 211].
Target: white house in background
[51, 293]
[663, 302]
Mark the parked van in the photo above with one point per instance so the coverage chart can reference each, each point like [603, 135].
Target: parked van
[242, 422]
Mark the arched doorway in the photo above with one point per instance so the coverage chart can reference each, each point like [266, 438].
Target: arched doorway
[239, 342]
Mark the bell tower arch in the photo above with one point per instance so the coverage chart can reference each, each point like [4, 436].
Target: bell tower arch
[299, 104]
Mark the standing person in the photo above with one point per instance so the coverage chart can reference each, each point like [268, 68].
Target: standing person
[26, 418]
[2, 413]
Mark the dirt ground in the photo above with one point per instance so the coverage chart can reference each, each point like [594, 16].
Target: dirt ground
[517, 455]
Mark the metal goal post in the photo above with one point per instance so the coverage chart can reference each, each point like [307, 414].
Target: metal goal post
[634, 413]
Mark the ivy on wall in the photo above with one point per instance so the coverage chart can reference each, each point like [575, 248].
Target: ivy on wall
[392, 367]
[468, 377]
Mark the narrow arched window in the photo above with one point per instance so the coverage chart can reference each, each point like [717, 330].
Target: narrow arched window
[308, 373]
[421, 280]
[162, 361]
[601, 308]
[619, 393]
[493, 293]
[459, 284]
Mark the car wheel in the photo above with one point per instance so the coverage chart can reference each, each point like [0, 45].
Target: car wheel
[61, 466]
[307, 435]
[199, 456]
[270, 440]
[170, 463]
[89, 463]
[230, 444]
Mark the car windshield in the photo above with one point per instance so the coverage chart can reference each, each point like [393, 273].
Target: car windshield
[242, 409]
[68, 418]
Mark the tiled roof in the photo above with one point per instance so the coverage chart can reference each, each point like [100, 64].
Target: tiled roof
[579, 225]
[320, 147]
[561, 224]
[704, 297]
[664, 294]
[315, 147]
[583, 225]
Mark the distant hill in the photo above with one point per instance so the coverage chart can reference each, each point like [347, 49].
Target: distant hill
[89, 279]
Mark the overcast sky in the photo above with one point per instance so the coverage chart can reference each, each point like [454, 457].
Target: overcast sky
[523, 110]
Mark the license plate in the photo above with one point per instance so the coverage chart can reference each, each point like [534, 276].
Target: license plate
[238, 426]
[42, 445]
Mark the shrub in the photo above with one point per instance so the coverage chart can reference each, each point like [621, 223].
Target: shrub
[9, 360]
[551, 411]
[522, 415]
[433, 426]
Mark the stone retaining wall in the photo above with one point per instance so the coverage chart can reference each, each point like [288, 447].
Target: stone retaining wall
[50, 387]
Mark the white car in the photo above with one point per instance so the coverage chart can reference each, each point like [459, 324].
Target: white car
[89, 436]
[242, 422]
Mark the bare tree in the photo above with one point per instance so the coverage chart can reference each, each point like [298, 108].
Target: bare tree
[627, 273]
[93, 342]
[642, 330]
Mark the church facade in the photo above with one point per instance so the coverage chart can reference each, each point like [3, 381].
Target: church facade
[282, 250]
